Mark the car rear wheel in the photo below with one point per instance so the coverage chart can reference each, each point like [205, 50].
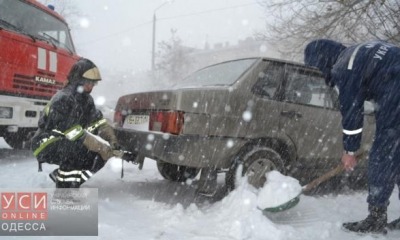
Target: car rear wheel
[256, 161]
[175, 172]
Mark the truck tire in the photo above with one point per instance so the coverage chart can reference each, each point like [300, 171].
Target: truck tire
[176, 173]
[256, 161]
[15, 140]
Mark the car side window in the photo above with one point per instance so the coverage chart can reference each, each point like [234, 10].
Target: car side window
[306, 87]
[268, 81]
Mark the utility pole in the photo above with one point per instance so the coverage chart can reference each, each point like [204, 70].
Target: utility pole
[153, 49]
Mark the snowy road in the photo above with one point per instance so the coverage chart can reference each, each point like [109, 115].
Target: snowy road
[144, 206]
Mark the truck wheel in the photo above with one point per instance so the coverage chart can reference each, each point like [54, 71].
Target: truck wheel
[256, 161]
[175, 172]
[15, 140]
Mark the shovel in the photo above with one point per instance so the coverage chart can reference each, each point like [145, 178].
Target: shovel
[316, 182]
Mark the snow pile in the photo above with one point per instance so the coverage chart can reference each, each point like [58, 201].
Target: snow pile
[115, 164]
[278, 190]
[235, 217]
[143, 205]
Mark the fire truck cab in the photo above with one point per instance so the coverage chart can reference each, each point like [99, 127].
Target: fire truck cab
[36, 55]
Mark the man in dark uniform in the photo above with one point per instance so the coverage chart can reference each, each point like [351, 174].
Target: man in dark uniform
[68, 128]
[367, 71]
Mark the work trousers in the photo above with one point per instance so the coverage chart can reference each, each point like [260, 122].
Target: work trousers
[76, 163]
[383, 167]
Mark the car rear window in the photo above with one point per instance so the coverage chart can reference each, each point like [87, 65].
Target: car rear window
[220, 74]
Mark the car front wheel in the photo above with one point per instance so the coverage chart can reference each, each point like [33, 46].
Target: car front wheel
[256, 161]
[175, 172]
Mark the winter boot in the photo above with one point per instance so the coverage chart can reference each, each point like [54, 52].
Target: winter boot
[375, 222]
[53, 175]
[394, 225]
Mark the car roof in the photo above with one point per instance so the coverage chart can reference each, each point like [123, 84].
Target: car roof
[291, 63]
[267, 59]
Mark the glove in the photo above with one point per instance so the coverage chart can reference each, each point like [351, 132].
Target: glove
[107, 133]
[94, 144]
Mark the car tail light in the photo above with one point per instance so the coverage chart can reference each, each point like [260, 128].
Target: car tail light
[166, 121]
[118, 118]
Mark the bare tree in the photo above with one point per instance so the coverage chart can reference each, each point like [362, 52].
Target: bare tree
[172, 60]
[295, 22]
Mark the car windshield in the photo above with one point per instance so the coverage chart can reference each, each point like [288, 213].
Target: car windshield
[216, 75]
[23, 18]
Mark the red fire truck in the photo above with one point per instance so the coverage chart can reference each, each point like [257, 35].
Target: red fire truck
[36, 55]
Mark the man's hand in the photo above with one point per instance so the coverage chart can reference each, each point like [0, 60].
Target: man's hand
[349, 161]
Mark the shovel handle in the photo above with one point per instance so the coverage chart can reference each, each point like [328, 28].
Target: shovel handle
[337, 170]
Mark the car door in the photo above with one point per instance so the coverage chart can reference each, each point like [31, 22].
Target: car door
[264, 104]
[310, 117]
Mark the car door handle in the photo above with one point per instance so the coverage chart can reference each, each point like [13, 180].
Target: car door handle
[291, 114]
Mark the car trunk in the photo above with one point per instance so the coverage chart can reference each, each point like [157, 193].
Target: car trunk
[199, 111]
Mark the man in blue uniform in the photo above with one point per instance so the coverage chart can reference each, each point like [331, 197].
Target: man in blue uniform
[367, 71]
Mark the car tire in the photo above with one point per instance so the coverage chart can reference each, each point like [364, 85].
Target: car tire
[176, 173]
[256, 161]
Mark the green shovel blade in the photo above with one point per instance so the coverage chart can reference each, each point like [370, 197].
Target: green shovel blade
[285, 206]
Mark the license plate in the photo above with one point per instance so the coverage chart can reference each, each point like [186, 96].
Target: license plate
[138, 122]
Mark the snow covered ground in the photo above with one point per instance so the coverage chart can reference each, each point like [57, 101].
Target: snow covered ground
[144, 206]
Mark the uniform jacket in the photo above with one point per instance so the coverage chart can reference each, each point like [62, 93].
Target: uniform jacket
[367, 71]
[69, 108]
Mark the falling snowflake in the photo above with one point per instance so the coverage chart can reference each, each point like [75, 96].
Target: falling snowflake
[247, 116]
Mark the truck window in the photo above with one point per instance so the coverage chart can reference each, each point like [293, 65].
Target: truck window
[23, 18]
